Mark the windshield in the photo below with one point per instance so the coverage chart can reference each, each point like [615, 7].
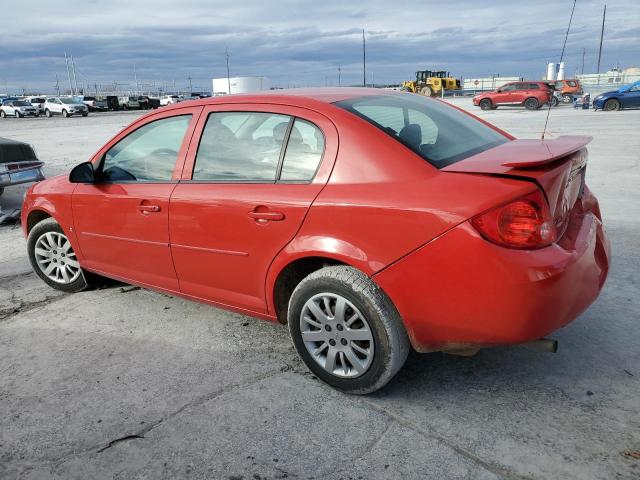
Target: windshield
[20, 103]
[437, 132]
[68, 100]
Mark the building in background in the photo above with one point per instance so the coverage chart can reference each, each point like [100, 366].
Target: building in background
[611, 80]
[239, 85]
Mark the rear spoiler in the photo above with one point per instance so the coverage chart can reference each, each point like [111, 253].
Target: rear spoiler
[520, 154]
[542, 152]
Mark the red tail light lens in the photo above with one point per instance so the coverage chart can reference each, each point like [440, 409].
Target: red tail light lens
[522, 223]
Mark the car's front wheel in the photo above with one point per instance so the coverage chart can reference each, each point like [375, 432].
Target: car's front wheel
[346, 329]
[612, 105]
[65, 113]
[47, 113]
[53, 258]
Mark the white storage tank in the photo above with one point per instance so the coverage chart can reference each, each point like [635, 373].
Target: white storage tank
[239, 85]
[551, 71]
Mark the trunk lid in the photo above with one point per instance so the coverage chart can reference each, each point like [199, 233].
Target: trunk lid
[557, 166]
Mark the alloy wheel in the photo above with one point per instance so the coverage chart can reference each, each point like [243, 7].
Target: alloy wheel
[336, 335]
[56, 259]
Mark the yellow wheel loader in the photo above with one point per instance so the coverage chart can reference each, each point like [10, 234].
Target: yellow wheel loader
[431, 83]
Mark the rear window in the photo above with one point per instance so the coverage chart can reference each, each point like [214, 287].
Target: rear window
[440, 134]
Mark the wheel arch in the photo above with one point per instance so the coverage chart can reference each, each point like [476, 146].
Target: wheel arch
[36, 216]
[303, 256]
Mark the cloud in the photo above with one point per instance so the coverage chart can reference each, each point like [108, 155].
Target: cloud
[302, 43]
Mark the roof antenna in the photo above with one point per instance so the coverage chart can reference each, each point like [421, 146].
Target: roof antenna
[544, 130]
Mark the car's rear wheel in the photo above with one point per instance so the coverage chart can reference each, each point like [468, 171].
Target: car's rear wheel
[47, 113]
[347, 331]
[53, 258]
[531, 103]
[611, 105]
[567, 98]
[3, 114]
[486, 104]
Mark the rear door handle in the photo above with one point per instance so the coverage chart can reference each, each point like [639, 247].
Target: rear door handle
[149, 208]
[266, 216]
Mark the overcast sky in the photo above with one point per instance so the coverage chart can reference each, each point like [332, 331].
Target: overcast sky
[297, 43]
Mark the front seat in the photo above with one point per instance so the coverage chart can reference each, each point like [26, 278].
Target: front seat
[412, 135]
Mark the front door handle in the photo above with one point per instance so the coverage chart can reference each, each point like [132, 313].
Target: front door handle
[266, 216]
[148, 208]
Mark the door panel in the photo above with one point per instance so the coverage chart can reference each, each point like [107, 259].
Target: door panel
[122, 230]
[122, 222]
[225, 234]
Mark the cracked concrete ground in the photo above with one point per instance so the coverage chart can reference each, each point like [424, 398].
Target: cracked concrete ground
[134, 384]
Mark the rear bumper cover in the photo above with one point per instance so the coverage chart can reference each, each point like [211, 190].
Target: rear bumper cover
[461, 291]
[22, 176]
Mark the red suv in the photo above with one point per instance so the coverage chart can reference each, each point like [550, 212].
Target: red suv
[530, 94]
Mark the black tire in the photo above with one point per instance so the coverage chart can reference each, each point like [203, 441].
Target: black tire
[47, 113]
[65, 113]
[486, 104]
[45, 226]
[611, 105]
[3, 114]
[531, 104]
[18, 114]
[427, 91]
[85, 114]
[1, 190]
[567, 98]
[390, 340]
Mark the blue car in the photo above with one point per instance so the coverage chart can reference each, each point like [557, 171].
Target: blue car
[625, 97]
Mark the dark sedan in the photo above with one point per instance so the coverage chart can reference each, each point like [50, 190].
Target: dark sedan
[18, 164]
[625, 97]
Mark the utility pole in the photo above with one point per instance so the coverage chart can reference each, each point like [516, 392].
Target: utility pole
[364, 61]
[226, 53]
[190, 86]
[584, 51]
[57, 85]
[75, 79]
[135, 77]
[339, 75]
[66, 62]
[604, 14]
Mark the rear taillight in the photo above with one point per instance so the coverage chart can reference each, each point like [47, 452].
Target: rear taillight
[522, 223]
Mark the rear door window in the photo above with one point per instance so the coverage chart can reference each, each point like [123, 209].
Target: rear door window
[241, 147]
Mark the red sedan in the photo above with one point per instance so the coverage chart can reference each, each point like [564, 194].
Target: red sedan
[370, 221]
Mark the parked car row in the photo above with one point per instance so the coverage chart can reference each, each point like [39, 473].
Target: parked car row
[531, 94]
[36, 106]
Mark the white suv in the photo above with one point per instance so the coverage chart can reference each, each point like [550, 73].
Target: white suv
[37, 103]
[17, 108]
[169, 100]
[65, 106]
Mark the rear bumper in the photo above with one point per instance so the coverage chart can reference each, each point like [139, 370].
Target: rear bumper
[23, 176]
[461, 291]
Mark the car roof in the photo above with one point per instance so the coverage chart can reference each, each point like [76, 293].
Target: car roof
[8, 141]
[294, 97]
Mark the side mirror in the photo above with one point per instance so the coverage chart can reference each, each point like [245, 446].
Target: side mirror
[498, 90]
[83, 173]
